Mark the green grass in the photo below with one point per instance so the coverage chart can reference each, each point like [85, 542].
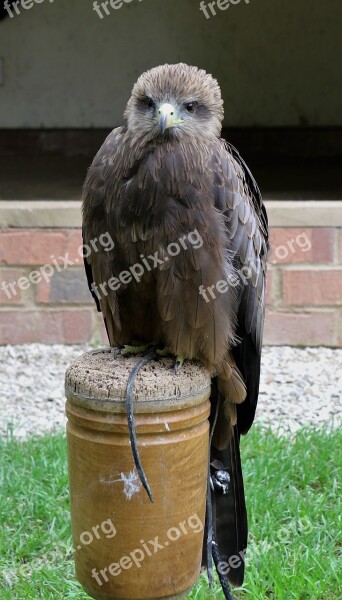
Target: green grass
[294, 507]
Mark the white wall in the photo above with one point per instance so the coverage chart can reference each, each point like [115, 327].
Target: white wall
[278, 61]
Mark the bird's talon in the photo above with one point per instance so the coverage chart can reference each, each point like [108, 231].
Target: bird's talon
[179, 363]
[116, 351]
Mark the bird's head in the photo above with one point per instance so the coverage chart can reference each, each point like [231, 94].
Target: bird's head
[175, 101]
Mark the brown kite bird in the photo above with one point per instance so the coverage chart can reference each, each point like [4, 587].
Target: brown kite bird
[162, 181]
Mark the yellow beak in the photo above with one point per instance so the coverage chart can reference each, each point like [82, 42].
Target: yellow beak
[167, 117]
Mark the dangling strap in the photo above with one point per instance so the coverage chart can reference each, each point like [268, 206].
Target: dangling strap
[151, 355]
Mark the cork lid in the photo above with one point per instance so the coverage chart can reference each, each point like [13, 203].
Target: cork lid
[97, 380]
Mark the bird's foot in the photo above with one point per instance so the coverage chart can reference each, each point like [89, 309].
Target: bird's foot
[137, 348]
[179, 358]
[127, 349]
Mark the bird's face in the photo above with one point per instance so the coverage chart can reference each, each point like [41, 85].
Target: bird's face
[175, 101]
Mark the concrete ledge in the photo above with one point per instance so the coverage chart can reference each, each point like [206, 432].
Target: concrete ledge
[40, 213]
[304, 213]
[61, 214]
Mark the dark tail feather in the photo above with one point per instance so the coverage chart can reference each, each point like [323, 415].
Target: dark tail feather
[229, 514]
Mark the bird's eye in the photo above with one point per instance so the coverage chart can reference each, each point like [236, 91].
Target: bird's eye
[148, 102]
[191, 106]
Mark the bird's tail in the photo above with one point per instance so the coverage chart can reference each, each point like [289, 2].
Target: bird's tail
[229, 508]
[226, 503]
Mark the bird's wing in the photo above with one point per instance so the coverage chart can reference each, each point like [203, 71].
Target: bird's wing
[238, 197]
[101, 263]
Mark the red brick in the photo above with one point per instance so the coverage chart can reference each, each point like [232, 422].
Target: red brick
[43, 292]
[74, 246]
[47, 327]
[300, 329]
[339, 329]
[316, 288]
[37, 246]
[269, 289]
[291, 245]
[10, 295]
[340, 243]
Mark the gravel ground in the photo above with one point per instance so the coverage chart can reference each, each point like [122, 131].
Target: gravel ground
[298, 387]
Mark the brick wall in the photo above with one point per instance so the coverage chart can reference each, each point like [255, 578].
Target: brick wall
[36, 305]
[304, 292]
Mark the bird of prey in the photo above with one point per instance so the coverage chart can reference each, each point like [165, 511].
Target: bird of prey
[158, 179]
